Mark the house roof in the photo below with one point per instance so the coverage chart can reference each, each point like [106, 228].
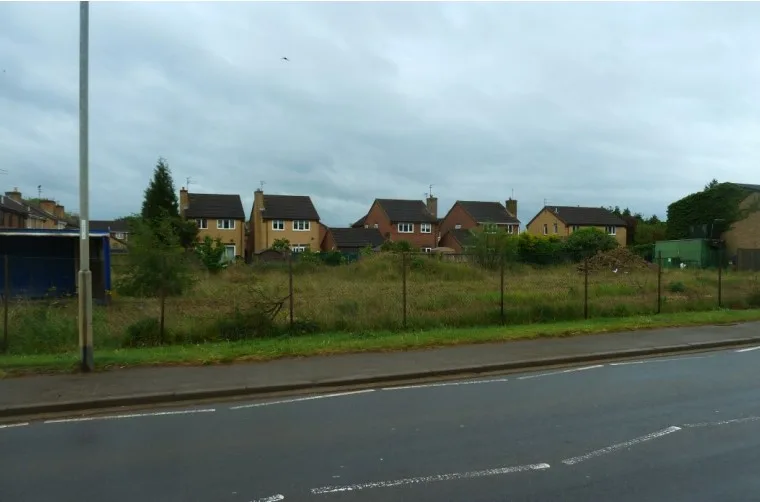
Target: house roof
[576, 215]
[356, 237]
[110, 225]
[360, 222]
[11, 205]
[211, 205]
[461, 235]
[289, 207]
[488, 212]
[406, 211]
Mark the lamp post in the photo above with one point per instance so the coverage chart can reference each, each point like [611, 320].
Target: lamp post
[85, 275]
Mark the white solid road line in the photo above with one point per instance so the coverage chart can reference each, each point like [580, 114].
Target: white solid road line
[669, 359]
[429, 479]
[130, 415]
[445, 384]
[8, 426]
[273, 498]
[723, 422]
[571, 370]
[299, 399]
[626, 444]
[749, 349]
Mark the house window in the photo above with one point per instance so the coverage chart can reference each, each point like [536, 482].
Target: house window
[301, 225]
[278, 225]
[510, 229]
[576, 228]
[426, 250]
[426, 228]
[298, 248]
[61, 225]
[375, 225]
[229, 253]
[225, 224]
[457, 227]
[556, 228]
[366, 226]
[120, 236]
[202, 223]
[611, 230]
[546, 229]
[406, 228]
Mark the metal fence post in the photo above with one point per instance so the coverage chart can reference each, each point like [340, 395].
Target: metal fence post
[659, 282]
[503, 318]
[6, 296]
[290, 287]
[403, 285]
[720, 278]
[585, 288]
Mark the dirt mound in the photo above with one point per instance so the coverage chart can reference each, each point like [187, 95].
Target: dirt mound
[619, 260]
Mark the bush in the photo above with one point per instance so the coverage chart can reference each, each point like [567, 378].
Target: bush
[211, 253]
[753, 300]
[676, 287]
[587, 242]
[242, 325]
[144, 333]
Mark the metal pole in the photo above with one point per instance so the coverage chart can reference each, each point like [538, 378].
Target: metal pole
[585, 288]
[721, 257]
[6, 296]
[403, 284]
[290, 287]
[503, 319]
[659, 282]
[85, 275]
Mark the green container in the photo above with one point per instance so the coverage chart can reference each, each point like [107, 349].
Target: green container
[694, 253]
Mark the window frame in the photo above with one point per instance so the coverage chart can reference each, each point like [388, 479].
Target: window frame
[220, 224]
[281, 224]
[201, 223]
[305, 224]
[611, 229]
[409, 226]
[426, 228]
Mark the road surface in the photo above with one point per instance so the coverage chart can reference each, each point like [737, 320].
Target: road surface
[668, 429]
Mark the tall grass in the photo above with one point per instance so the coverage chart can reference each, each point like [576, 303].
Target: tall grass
[368, 296]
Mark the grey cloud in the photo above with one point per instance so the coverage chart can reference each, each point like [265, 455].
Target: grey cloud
[600, 103]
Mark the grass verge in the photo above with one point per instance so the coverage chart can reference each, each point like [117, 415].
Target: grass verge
[343, 343]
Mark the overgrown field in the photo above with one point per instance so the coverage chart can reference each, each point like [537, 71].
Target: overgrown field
[368, 296]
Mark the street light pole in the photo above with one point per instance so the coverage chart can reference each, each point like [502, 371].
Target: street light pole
[85, 275]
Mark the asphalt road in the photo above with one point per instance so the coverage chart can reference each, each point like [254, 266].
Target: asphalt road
[672, 429]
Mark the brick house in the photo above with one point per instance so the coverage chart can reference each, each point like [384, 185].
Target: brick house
[351, 240]
[404, 220]
[277, 217]
[217, 216]
[562, 221]
[466, 216]
[37, 214]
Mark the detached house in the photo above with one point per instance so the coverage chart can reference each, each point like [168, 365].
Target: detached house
[283, 217]
[466, 216]
[351, 240]
[404, 220]
[561, 221]
[217, 216]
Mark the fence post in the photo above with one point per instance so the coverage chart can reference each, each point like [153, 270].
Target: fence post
[6, 296]
[659, 282]
[403, 285]
[290, 287]
[585, 288]
[721, 257]
[503, 318]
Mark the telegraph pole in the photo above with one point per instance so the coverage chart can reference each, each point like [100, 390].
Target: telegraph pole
[85, 275]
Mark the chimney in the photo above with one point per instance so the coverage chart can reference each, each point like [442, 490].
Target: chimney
[14, 195]
[184, 201]
[48, 206]
[511, 206]
[432, 205]
[59, 212]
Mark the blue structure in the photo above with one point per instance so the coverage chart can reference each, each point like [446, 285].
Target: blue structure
[44, 263]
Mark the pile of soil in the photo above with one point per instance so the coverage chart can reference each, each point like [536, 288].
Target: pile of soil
[619, 259]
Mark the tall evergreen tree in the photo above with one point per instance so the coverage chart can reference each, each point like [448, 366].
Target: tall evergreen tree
[160, 196]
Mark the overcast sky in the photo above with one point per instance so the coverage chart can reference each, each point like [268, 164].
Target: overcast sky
[580, 104]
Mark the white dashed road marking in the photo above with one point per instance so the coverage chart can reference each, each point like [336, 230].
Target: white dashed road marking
[724, 422]
[273, 498]
[131, 415]
[445, 384]
[429, 479]
[626, 444]
[299, 399]
[749, 349]
[571, 370]
[8, 426]
[670, 359]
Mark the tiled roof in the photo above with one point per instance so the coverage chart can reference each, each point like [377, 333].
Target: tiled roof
[360, 222]
[110, 225]
[586, 216]
[462, 236]
[210, 205]
[356, 237]
[406, 211]
[289, 207]
[11, 205]
[488, 212]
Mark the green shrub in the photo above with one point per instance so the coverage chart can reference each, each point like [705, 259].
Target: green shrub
[240, 325]
[145, 332]
[753, 300]
[676, 287]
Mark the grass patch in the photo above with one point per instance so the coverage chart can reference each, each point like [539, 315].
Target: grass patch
[342, 343]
